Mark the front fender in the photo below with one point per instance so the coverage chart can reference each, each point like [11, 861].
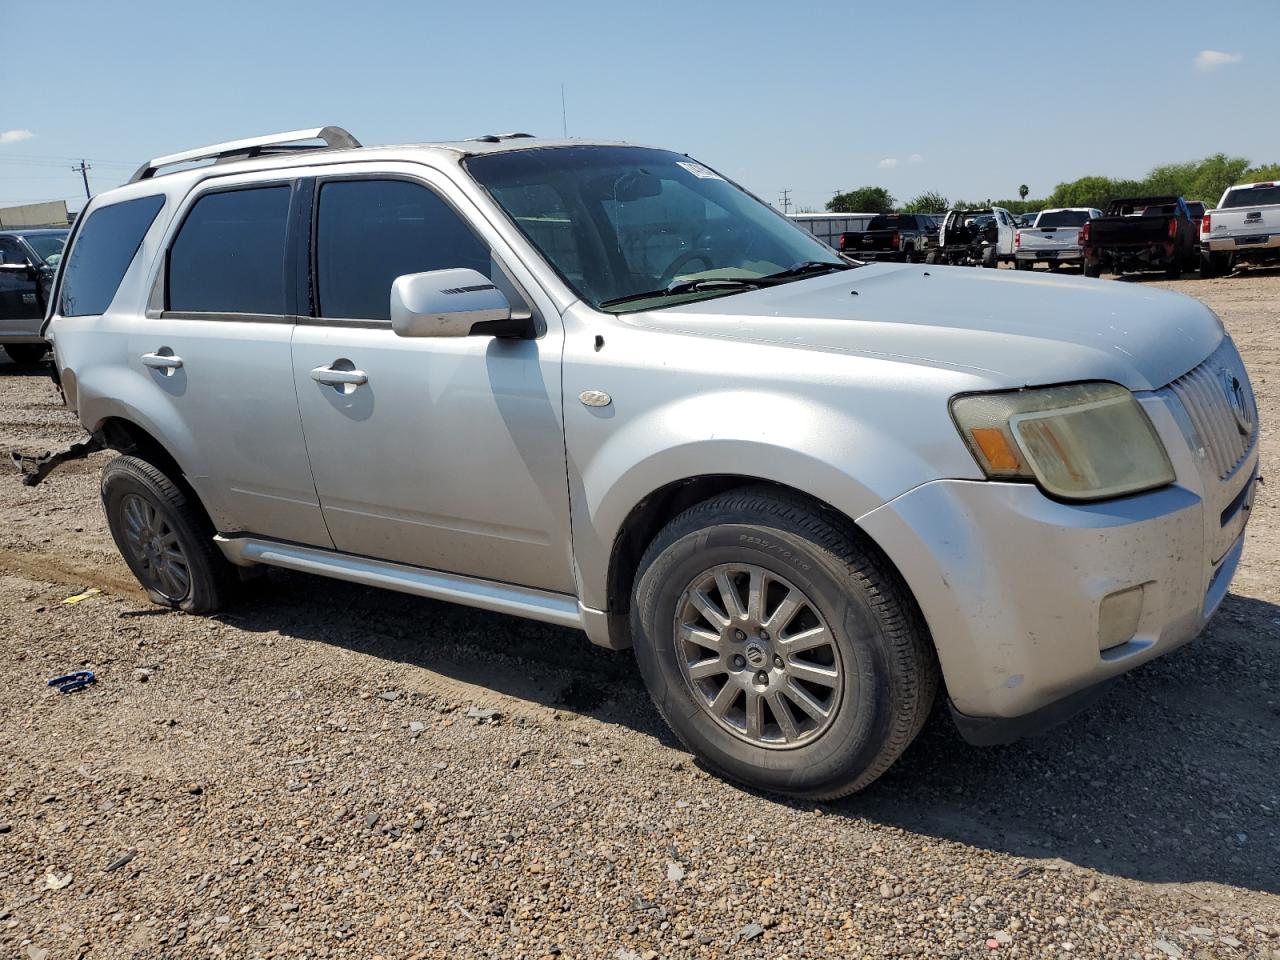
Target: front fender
[798, 442]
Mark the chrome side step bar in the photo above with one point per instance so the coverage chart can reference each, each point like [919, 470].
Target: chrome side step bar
[542, 605]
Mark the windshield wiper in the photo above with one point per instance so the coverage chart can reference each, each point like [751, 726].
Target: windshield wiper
[808, 268]
[692, 286]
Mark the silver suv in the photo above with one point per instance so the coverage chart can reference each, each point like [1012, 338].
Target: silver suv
[602, 386]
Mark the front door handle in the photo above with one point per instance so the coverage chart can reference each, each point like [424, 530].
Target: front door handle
[161, 361]
[339, 378]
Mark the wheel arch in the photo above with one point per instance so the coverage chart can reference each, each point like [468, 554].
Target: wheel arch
[659, 507]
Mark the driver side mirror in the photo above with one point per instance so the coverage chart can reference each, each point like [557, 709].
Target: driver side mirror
[453, 303]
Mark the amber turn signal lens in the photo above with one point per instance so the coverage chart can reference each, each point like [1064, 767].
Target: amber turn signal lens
[995, 447]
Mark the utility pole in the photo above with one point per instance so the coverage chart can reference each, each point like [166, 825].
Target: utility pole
[84, 169]
[564, 115]
[785, 200]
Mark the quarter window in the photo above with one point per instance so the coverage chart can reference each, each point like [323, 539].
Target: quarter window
[105, 245]
[368, 232]
[229, 255]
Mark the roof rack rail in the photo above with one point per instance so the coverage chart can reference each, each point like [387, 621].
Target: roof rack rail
[333, 137]
[497, 137]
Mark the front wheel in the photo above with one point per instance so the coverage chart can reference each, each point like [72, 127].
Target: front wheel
[26, 354]
[780, 648]
[164, 538]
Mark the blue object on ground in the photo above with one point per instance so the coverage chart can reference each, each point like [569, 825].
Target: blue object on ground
[71, 682]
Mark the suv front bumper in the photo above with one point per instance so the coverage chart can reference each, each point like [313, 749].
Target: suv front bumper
[1032, 601]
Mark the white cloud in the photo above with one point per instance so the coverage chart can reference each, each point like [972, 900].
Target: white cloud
[888, 163]
[915, 158]
[1213, 59]
[15, 136]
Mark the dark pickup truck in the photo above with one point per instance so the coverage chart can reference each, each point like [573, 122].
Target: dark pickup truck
[892, 236]
[1141, 233]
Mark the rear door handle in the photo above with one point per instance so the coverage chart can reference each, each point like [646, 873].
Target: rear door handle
[161, 361]
[339, 378]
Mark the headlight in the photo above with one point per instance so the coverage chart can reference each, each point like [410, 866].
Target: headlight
[1084, 441]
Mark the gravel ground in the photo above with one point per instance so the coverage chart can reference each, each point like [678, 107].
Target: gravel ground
[332, 771]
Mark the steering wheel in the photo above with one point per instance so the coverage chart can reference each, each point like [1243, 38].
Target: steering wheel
[681, 261]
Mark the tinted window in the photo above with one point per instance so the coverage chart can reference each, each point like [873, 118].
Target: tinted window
[105, 245]
[892, 222]
[229, 256]
[1063, 218]
[1259, 196]
[368, 232]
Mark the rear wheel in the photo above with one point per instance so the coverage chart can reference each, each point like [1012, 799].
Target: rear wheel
[781, 650]
[1092, 269]
[1174, 270]
[26, 354]
[164, 538]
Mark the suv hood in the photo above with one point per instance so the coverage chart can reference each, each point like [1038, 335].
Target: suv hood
[1016, 329]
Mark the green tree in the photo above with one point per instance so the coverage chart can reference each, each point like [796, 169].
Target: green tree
[1023, 191]
[1267, 171]
[928, 202]
[862, 200]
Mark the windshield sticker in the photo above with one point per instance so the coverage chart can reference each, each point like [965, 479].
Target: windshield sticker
[698, 170]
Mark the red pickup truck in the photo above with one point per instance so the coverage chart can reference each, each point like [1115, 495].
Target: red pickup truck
[1141, 233]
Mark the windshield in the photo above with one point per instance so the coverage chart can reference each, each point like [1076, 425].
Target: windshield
[617, 222]
[1260, 196]
[48, 246]
[1062, 218]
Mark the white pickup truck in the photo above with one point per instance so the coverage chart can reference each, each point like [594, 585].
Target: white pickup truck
[1054, 238]
[1244, 228]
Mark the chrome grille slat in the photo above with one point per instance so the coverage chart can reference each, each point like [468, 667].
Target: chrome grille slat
[1204, 398]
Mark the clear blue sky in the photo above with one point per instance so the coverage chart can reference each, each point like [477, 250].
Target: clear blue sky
[811, 96]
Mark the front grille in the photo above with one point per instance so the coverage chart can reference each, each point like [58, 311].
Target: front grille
[1220, 403]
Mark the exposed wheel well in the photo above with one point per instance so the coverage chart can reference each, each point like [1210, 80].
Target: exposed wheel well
[125, 436]
[662, 506]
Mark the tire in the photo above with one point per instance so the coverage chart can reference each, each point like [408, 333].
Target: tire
[147, 510]
[931, 257]
[1023, 264]
[880, 673]
[26, 354]
[1208, 268]
[989, 258]
[1092, 269]
[1173, 271]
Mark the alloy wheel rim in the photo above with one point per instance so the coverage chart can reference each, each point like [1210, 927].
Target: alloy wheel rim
[758, 656]
[155, 548]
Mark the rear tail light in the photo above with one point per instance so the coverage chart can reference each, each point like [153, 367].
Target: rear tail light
[896, 241]
[1084, 233]
[840, 245]
[1017, 239]
[1204, 224]
[1173, 227]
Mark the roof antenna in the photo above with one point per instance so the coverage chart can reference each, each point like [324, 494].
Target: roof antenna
[564, 116]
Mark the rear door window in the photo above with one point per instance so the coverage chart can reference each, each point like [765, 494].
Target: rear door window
[229, 254]
[105, 245]
[368, 232]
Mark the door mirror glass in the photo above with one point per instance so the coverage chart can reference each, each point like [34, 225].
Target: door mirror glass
[451, 303]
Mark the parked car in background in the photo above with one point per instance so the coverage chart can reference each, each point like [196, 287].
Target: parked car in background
[892, 236]
[975, 237]
[483, 372]
[1054, 238]
[28, 260]
[1244, 228]
[1140, 233]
